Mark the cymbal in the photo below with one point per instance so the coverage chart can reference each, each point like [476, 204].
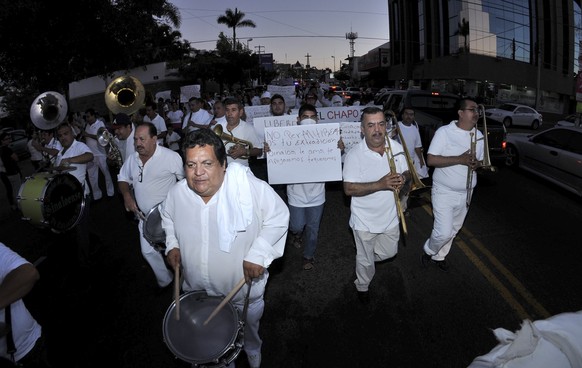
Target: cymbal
[61, 168]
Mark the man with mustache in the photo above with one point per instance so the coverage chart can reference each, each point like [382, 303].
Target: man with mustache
[370, 182]
[152, 170]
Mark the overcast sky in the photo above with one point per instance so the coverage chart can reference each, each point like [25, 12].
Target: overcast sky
[291, 29]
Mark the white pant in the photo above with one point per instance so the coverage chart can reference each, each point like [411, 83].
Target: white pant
[155, 259]
[372, 248]
[252, 341]
[93, 167]
[449, 210]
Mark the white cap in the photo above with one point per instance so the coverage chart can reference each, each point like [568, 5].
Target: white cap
[266, 94]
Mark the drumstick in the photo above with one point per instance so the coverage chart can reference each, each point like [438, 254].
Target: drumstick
[225, 300]
[177, 291]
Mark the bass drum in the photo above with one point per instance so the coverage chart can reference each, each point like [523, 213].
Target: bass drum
[152, 228]
[214, 345]
[53, 201]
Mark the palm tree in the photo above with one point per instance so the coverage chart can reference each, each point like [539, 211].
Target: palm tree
[233, 20]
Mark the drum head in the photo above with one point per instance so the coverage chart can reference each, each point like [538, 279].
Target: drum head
[193, 342]
[64, 202]
[152, 227]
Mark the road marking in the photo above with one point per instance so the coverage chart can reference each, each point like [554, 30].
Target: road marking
[519, 287]
[495, 282]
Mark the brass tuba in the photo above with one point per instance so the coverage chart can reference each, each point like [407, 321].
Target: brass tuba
[125, 95]
[48, 110]
[231, 138]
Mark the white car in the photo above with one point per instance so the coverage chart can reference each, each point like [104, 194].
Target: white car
[572, 120]
[554, 154]
[513, 114]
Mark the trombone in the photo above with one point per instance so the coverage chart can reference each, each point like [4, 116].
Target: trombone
[232, 139]
[486, 163]
[392, 164]
[416, 183]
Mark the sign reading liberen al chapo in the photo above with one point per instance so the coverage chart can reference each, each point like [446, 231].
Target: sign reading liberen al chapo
[303, 153]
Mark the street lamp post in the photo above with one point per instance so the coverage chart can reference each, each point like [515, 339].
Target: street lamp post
[248, 40]
[333, 57]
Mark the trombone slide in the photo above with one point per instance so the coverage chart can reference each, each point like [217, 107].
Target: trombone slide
[392, 165]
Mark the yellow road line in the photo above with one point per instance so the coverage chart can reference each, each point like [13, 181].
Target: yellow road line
[496, 283]
[519, 287]
[493, 280]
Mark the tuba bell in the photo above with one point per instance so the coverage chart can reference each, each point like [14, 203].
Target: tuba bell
[48, 110]
[231, 138]
[125, 94]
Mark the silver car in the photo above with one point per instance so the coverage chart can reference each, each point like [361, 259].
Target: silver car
[511, 114]
[554, 154]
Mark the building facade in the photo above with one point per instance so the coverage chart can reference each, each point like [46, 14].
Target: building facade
[525, 51]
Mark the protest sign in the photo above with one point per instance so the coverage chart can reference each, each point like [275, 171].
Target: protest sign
[253, 112]
[303, 154]
[337, 114]
[261, 123]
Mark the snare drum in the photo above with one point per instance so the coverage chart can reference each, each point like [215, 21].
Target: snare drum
[52, 200]
[214, 345]
[152, 228]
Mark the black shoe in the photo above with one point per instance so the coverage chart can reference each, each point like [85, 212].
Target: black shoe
[442, 265]
[425, 260]
[364, 297]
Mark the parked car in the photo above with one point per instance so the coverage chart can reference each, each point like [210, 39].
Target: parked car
[554, 154]
[19, 142]
[514, 114]
[496, 138]
[572, 120]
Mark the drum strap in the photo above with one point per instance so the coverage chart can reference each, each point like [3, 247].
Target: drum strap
[10, 346]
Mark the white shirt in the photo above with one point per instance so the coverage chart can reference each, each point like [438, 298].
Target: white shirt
[25, 329]
[96, 148]
[450, 140]
[175, 116]
[158, 175]
[172, 141]
[35, 155]
[191, 225]
[306, 194]
[244, 131]
[126, 146]
[375, 212]
[160, 125]
[76, 149]
[201, 116]
[412, 140]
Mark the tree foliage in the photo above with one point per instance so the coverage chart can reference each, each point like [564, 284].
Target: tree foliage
[234, 19]
[42, 49]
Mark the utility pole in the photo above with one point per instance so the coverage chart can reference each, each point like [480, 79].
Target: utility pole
[333, 57]
[307, 66]
[260, 65]
[259, 47]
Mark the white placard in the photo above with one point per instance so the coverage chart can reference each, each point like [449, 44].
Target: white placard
[337, 114]
[351, 134]
[288, 93]
[262, 122]
[166, 95]
[253, 112]
[189, 91]
[303, 154]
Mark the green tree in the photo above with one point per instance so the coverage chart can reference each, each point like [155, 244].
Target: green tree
[42, 50]
[234, 20]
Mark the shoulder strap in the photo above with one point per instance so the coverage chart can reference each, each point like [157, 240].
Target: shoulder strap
[10, 347]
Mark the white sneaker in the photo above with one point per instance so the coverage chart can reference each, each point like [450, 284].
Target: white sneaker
[254, 360]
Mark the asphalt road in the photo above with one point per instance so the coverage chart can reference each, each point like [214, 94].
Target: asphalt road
[112, 316]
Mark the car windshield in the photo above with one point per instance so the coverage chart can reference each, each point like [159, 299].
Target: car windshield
[507, 107]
